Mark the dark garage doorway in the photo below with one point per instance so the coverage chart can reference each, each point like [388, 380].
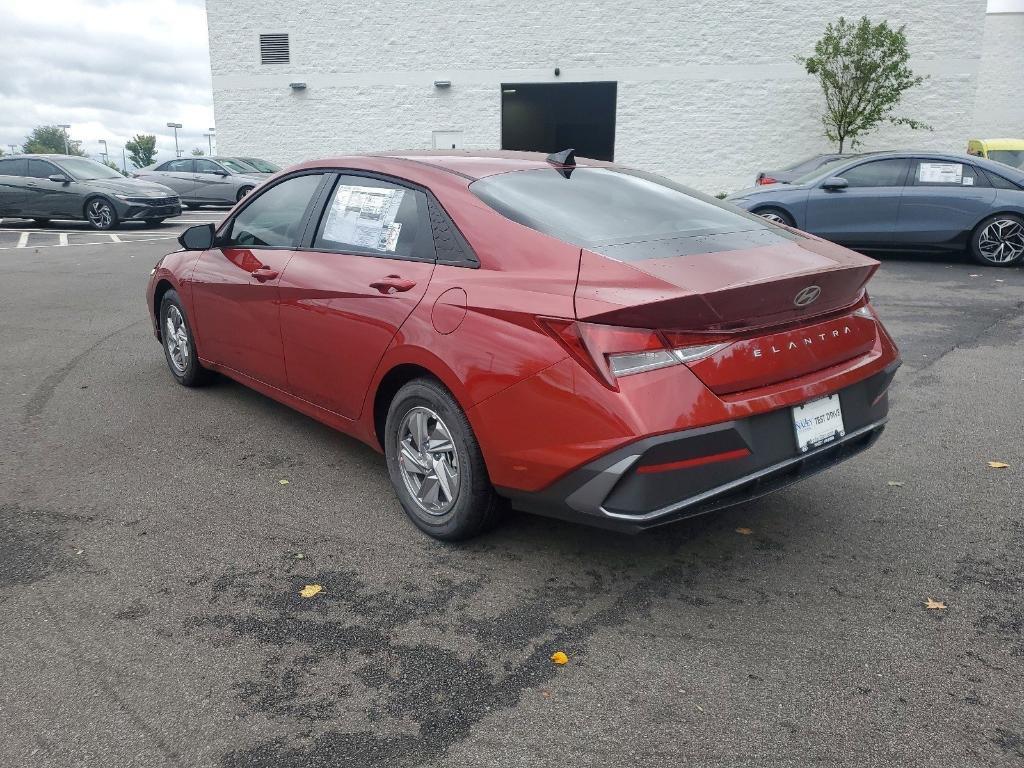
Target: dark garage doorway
[548, 117]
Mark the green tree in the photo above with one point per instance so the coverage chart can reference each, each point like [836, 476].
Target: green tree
[863, 72]
[51, 140]
[115, 166]
[198, 152]
[141, 149]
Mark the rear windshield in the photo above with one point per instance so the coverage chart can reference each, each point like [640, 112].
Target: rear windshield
[1011, 157]
[598, 207]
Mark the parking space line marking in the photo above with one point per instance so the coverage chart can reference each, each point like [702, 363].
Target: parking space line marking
[63, 238]
[23, 240]
[73, 245]
[114, 238]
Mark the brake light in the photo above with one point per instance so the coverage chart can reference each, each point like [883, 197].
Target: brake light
[762, 179]
[611, 352]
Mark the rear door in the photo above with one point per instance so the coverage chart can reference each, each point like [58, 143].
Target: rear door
[865, 212]
[942, 202]
[212, 182]
[347, 292]
[236, 285]
[13, 189]
[52, 199]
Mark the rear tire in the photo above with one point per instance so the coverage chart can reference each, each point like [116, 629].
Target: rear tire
[435, 464]
[998, 241]
[242, 193]
[775, 215]
[178, 342]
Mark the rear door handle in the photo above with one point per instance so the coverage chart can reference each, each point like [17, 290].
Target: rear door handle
[264, 273]
[393, 284]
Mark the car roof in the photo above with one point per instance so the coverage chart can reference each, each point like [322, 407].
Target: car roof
[470, 164]
[42, 156]
[1001, 143]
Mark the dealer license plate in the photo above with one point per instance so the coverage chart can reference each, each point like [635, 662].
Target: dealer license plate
[818, 422]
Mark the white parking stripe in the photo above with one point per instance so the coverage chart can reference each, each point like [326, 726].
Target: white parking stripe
[72, 245]
[23, 240]
[63, 238]
[114, 238]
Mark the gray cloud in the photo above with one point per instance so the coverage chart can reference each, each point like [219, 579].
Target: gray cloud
[110, 68]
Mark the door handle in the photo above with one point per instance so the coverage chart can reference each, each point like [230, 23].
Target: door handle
[264, 273]
[393, 284]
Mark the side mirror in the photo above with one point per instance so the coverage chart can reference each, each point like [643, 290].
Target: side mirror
[197, 238]
[60, 178]
[221, 173]
[833, 183]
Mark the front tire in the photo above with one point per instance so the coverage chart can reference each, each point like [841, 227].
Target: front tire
[242, 193]
[998, 241]
[101, 214]
[435, 464]
[179, 347]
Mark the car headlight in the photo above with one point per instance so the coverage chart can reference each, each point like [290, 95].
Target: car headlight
[125, 198]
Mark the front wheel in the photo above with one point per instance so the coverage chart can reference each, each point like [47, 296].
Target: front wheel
[101, 213]
[999, 240]
[435, 464]
[242, 193]
[179, 347]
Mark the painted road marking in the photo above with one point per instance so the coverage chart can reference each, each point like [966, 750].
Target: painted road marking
[63, 238]
[23, 240]
[73, 245]
[114, 238]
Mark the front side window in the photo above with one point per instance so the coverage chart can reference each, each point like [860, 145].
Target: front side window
[263, 166]
[878, 173]
[84, 169]
[367, 215]
[274, 218]
[40, 169]
[207, 166]
[177, 166]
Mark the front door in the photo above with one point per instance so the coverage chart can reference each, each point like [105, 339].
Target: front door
[865, 212]
[212, 182]
[344, 298]
[236, 285]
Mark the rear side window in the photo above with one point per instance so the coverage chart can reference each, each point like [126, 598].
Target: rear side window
[177, 166]
[12, 167]
[375, 217]
[207, 166]
[877, 173]
[603, 207]
[945, 173]
[275, 217]
[999, 182]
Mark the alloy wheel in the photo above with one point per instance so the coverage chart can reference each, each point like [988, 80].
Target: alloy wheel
[176, 339]
[428, 461]
[774, 218]
[100, 214]
[1002, 241]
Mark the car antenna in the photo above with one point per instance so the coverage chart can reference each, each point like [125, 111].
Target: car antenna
[564, 161]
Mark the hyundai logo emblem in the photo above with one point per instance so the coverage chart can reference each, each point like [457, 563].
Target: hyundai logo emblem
[808, 295]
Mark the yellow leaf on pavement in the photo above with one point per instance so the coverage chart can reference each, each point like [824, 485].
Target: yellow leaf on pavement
[283, 482]
[744, 531]
[934, 605]
[311, 590]
[559, 658]
[998, 464]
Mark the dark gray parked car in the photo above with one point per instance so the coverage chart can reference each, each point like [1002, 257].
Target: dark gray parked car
[44, 187]
[893, 201]
[205, 180]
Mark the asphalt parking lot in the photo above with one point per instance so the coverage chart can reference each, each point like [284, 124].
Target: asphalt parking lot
[150, 567]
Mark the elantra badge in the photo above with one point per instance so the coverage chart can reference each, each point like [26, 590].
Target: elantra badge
[807, 296]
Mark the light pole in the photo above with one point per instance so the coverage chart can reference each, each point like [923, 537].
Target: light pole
[209, 139]
[124, 161]
[66, 127]
[12, 146]
[175, 126]
[106, 156]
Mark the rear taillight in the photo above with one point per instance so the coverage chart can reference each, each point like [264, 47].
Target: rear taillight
[762, 179]
[612, 352]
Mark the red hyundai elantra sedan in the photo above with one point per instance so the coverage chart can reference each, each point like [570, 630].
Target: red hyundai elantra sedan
[577, 339]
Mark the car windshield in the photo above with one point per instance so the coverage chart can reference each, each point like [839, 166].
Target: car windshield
[821, 170]
[1011, 157]
[84, 169]
[235, 165]
[603, 207]
[262, 166]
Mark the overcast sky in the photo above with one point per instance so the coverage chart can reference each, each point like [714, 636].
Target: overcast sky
[110, 68]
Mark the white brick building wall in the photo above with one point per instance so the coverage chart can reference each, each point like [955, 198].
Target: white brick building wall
[707, 93]
[999, 106]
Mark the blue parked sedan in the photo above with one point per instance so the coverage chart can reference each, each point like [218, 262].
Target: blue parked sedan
[895, 201]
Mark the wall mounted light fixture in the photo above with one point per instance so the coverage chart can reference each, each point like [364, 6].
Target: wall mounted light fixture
[442, 83]
[297, 86]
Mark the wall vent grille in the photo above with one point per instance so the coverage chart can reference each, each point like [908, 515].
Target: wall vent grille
[274, 49]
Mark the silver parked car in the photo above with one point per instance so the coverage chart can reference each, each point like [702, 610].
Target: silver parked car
[205, 180]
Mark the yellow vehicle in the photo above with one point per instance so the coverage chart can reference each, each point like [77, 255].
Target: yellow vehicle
[1007, 151]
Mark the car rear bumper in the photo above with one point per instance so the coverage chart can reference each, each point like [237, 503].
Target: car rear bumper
[663, 478]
